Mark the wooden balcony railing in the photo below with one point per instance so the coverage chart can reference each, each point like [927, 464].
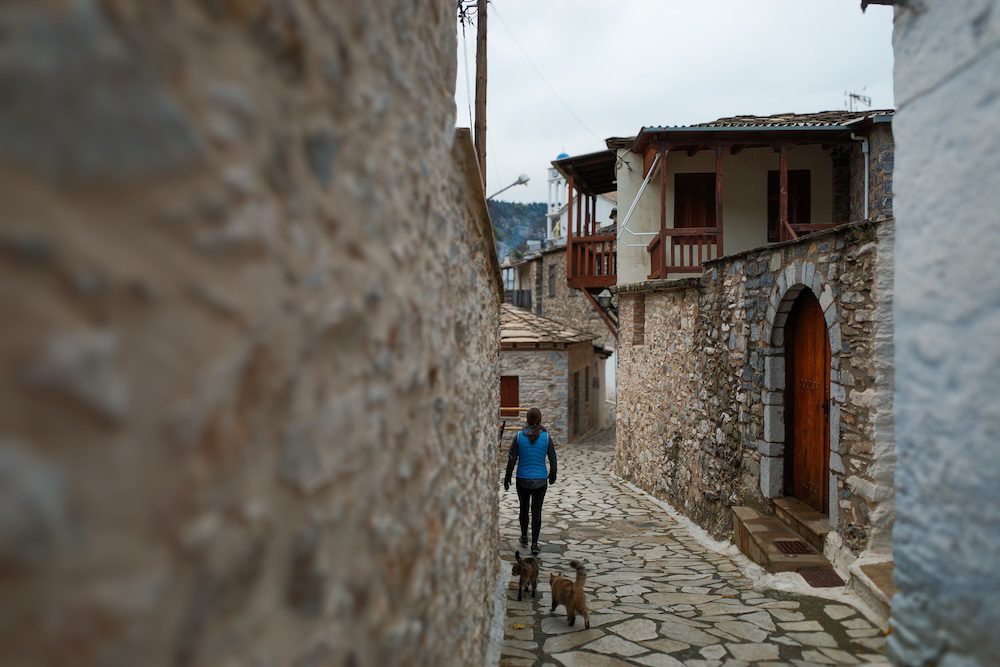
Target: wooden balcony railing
[592, 261]
[682, 250]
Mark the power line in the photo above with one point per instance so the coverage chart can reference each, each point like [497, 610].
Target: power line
[542, 76]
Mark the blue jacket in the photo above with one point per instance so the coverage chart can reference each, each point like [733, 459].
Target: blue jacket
[530, 457]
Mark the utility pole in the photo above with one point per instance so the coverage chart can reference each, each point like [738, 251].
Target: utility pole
[480, 133]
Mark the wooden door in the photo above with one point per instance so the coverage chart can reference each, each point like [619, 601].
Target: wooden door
[807, 403]
[510, 395]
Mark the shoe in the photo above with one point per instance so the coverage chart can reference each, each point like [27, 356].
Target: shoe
[534, 548]
[524, 540]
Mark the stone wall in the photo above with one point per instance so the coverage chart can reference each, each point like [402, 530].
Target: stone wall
[582, 360]
[248, 412]
[699, 410]
[947, 536]
[569, 305]
[542, 383]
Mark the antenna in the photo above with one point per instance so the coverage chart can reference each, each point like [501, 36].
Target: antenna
[853, 101]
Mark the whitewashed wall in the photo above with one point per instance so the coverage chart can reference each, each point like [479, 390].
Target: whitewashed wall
[947, 180]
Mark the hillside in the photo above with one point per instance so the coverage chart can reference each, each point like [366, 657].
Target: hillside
[515, 222]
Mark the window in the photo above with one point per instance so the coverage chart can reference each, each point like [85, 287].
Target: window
[552, 279]
[799, 200]
[694, 200]
[510, 395]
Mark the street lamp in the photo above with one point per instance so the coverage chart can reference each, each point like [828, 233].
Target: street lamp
[521, 180]
[604, 298]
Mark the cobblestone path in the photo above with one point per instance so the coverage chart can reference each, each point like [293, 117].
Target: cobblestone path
[657, 597]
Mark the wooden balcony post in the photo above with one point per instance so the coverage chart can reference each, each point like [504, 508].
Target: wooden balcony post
[663, 211]
[718, 199]
[569, 229]
[783, 192]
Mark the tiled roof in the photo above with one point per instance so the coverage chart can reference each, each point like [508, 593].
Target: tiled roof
[521, 327]
[817, 119]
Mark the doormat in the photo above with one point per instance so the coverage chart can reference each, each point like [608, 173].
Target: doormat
[793, 547]
[821, 577]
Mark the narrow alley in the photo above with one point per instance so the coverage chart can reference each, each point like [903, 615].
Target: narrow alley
[656, 595]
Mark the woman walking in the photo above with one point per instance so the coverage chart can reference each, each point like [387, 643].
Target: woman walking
[531, 446]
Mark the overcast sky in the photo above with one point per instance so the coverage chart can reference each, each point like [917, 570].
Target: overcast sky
[613, 66]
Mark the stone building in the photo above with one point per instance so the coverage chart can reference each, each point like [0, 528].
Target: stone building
[754, 277]
[558, 369]
[538, 283]
[946, 539]
[250, 347]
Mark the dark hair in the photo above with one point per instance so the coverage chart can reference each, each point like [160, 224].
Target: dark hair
[534, 423]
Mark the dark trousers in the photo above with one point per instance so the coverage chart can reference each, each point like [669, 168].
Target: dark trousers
[531, 498]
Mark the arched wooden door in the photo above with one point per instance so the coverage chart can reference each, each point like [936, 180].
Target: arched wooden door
[807, 404]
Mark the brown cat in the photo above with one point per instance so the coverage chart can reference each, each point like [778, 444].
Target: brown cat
[570, 593]
[528, 569]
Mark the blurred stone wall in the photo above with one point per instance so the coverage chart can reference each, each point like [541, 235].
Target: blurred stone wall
[700, 410]
[249, 396]
[946, 541]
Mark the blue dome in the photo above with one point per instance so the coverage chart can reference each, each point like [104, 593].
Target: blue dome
[561, 156]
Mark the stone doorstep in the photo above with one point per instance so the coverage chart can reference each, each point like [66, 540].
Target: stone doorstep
[872, 581]
[755, 536]
[811, 525]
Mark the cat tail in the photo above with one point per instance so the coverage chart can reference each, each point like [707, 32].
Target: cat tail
[581, 574]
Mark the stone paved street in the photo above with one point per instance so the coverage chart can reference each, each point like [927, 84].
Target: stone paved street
[657, 597]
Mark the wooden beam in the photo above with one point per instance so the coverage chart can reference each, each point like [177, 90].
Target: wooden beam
[480, 136]
[600, 311]
[718, 199]
[787, 233]
[569, 229]
[663, 189]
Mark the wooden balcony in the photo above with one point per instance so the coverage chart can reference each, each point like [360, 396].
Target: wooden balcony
[592, 261]
[682, 250]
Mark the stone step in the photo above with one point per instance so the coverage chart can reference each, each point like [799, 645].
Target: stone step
[871, 579]
[755, 535]
[804, 520]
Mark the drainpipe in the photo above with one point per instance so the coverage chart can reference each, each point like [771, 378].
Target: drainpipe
[864, 152]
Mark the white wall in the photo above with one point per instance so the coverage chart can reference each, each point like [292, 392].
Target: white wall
[947, 179]
[744, 198]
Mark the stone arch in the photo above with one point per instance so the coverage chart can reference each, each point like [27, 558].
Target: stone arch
[798, 276]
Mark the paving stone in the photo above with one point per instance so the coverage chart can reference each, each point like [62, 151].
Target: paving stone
[562, 643]
[686, 633]
[753, 652]
[715, 652]
[615, 645]
[658, 660]
[580, 659]
[666, 645]
[802, 626]
[813, 638]
[741, 630]
[636, 630]
[838, 611]
[656, 596]
[841, 657]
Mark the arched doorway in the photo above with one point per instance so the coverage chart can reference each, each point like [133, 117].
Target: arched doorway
[807, 403]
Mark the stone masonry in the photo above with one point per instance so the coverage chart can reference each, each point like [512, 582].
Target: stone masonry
[249, 403]
[542, 381]
[700, 419]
